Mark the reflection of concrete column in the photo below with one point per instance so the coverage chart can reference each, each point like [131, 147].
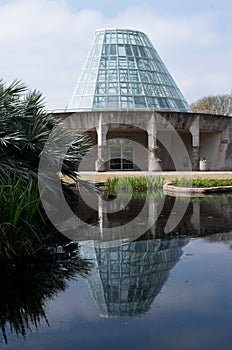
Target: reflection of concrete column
[153, 207]
[102, 216]
[153, 164]
[195, 219]
[100, 164]
[195, 131]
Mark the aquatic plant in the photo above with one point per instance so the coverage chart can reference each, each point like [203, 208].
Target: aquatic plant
[200, 182]
[136, 183]
[21, 219]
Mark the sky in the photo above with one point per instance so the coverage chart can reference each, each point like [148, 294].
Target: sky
[44, 43]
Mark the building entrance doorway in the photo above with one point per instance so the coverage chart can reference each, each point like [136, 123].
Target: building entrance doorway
[121, 155]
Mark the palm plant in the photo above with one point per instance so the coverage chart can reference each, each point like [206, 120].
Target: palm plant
[25, 128]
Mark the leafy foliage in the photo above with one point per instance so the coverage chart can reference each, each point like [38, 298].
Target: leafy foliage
[25, 128]
[203, 182]
[219, 104]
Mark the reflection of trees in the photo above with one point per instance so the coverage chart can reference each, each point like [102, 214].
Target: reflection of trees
[27, 284]
[225, 238]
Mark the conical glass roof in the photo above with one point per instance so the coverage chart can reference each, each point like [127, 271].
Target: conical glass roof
[124, 71]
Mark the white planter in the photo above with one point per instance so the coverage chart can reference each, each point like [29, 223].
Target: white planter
[204, 165]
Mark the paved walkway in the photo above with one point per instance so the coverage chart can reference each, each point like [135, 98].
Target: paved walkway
[169, 175]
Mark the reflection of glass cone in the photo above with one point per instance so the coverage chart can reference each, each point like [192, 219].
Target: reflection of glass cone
[126, 279]
[124, 71]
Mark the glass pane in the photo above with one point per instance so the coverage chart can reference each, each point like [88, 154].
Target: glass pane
[92, 75]
[125, 88]
[140, 63]
[120, 38]
[86, 102]
[128, 50]
[102, 75]
[121, 50]
[144, 76]
[136, 89]
[126, 38]
[142, 51]
[113, 49]
[113, 75]
[99, 101]
[140, 101]
[79, 89]
[101, 88]
[131, 62]
[84, 76]
[113, 38]
[104, 62]
[152, 102]
[97, 50]
[112, 88]
[135, 50]
[122, 62]
[113, 62]
[106, 49]
[134, 75]
[124, 75]
[89, 89]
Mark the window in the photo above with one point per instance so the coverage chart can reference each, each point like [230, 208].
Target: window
[121, 155]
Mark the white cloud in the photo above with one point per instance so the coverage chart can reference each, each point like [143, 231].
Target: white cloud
[45, 44]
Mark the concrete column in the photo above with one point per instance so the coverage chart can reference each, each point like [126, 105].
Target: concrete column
[102, 129]
[153, 164]
[222, 149]
[195, 131]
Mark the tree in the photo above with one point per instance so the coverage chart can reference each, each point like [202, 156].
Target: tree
[219, 104]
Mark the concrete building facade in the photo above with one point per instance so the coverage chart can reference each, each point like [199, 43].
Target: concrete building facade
[127, 102]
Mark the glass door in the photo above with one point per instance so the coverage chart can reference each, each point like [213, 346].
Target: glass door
[122, 155]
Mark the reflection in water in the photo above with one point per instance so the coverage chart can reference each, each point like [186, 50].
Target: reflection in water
[27, 285]
[126, 279]
[203, 216]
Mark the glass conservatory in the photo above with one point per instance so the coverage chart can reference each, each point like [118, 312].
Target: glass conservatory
[124, 71]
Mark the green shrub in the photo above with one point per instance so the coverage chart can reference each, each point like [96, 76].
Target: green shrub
[203, 182]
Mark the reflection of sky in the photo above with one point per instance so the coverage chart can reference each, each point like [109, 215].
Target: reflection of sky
[193, 311]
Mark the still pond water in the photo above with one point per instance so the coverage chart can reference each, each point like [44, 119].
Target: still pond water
[156, 290]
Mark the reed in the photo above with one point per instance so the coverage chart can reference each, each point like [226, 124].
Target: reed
[20, 218]
[136, 184]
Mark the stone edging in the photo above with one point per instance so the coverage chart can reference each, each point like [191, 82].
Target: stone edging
[181, 189]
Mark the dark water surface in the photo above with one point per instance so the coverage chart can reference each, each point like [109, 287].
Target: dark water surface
[159, 291]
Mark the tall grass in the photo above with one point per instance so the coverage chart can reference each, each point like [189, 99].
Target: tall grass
[137, 184]
[203, 182]
[20, 218]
